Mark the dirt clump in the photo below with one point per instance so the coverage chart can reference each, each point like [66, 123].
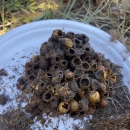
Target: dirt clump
[3, 99]
[3, 72]
[14, 120]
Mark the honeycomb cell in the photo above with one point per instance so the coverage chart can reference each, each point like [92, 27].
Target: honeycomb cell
[68, 76]
[64, 107]
[47, 96]
[57, 34]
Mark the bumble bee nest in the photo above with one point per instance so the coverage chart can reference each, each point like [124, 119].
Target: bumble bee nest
[68, 76]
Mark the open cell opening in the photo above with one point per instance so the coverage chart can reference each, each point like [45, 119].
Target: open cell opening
[78, 97]
[56, 67]
[48, 96]
[85, 66]
[64, 63]
[94, 67]
[77, 61]
[36, 67]
[77, 41]
[84, 37]
[57, 58]
[87, 59]
[59, 33]
[110, 89]
[72, 51]
[42, 84]
[65, 106]
[113, 77]
[60, 74]
[85, 82]
[92, 105]
[106, 94]
[49, 75]
[32, 77]
[87, 49]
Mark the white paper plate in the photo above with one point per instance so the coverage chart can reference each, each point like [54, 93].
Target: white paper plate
[18, 45]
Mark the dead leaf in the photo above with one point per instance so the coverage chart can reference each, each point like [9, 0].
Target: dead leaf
[114, 34]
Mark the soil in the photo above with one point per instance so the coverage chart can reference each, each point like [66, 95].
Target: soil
[3, 99]
[14, 120]
[119, 106]
[3, 72]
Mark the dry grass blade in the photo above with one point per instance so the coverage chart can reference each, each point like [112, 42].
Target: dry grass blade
[116, 123]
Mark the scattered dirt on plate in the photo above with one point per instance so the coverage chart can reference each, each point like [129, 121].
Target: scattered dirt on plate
[3, 72]
[14, 120]
[3, 99]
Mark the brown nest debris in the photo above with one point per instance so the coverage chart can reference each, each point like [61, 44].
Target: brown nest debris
[3, 99]
[14, 120]
[116, 123]
[3, 72]
[68, 76]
